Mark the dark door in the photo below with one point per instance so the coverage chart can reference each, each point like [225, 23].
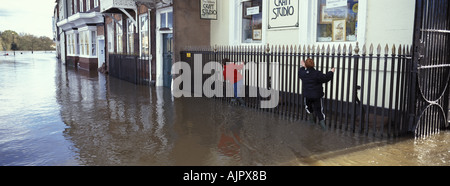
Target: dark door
[167, 59]
[431, 70]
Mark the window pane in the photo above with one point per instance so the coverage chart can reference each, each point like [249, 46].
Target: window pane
[144, 23]
[81, 43]
[252, 21]
[94, 43]
[144, 50]
[170, 19]
[337, 22]
[163, 20]
[119, 37]
[130, 26]
[130, 43]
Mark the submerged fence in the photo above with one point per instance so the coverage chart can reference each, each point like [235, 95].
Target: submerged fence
[131, 68]
[370, 92]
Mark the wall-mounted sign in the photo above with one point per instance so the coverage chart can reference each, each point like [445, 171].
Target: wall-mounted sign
[253, 10]
[336, 3]
[283, 13]
[208, 9]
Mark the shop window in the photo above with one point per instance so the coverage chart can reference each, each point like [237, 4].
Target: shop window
[144, 35]
[337, 21]
[252, 21]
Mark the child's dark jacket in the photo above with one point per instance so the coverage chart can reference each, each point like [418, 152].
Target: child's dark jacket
[312, 82]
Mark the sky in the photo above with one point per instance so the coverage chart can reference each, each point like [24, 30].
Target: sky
[27, 16]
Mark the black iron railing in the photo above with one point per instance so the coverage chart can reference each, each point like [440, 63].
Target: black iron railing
[369, 94]
[431, 43]
[131, 68]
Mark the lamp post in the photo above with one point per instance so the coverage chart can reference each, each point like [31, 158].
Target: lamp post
[13, 44]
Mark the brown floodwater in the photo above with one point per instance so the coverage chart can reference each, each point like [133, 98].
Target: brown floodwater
[51, 114]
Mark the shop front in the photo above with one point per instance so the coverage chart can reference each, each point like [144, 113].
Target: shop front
[153, 31]
[312, 22]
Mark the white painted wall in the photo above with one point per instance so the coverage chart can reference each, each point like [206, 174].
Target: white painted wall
[390, 22]
[381, 22]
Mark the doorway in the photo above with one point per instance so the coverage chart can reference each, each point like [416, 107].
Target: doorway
[167, 52]
[164, 47]
[101, 52]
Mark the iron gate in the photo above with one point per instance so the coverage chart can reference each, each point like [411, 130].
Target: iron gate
[429, 105]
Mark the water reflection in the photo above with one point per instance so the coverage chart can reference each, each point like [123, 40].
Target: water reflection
[55, 115]
[112, 122]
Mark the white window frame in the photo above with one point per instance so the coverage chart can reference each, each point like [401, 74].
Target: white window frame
[86, 34]
[361, 29]
[165, 11]
[235, 29]
[159, 51]
[96, 3]
[72, 43]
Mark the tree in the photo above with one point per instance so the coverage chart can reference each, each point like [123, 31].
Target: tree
[10, 40]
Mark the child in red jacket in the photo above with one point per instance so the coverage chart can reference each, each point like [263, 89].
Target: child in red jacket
[231, 73]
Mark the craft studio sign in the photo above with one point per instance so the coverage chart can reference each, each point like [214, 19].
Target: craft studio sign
[208, 9]
[283, 13]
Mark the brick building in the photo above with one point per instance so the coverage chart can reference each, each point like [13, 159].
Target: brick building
[90, 31]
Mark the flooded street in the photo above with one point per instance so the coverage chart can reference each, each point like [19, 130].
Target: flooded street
[56, 115]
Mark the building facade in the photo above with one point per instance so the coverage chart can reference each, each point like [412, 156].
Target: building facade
[89, 31]
[313, 22]
[80, 31]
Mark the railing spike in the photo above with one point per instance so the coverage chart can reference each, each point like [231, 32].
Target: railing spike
[371, 49]
[393, 50]
[379, 49]
[386, 50]
[350, 50]
[364, 50]
[399, 50]
[339, 49]
[357, 48]
[407, 50]
[328, 49]
[333, 50]
[404, 49]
